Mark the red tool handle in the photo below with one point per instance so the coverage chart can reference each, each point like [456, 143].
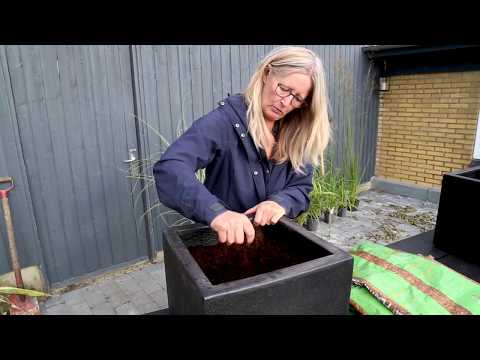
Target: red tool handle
[4, 192]
[11, 237]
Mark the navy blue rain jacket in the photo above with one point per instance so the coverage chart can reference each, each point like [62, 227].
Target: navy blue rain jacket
[238, 177]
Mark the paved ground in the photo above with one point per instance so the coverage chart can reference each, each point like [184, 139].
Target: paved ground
[381, 217]
[137, 292]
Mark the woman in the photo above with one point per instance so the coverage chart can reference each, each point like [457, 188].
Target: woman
[257, 150]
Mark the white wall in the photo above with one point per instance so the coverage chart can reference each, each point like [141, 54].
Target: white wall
[476, 151]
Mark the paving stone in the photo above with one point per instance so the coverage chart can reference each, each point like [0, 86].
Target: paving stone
[122, 278]
[159, 271]
[160, 298]
[54, 300]
[94, 298]
[162, 279]
[131, 291]
[147, 308]
[109, 287]
[60, 309]
[140, 276]
[103, 309]
[125, 279]
[151, 286]
[154, 268]
[117, 299]
[127, 309]
[81, 309]
[141, 298]
[113, 291]
[74, 297]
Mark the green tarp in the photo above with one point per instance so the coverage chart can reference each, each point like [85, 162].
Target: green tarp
[388, 281]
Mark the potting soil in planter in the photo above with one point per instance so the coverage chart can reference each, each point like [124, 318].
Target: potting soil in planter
[273, 248]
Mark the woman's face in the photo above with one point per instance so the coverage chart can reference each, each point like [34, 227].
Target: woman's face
[275, 107]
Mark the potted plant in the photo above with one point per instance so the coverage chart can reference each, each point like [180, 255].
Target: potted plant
[329, 194]
[329, 208]
[342, 194]
[310, 219]
[351, 168]
[312, 223]
[352, 195]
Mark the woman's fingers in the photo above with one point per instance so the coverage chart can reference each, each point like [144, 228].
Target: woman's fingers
[230, 236]
[268, 213]
[249, 232]
[251, 210]
[276, 217]
[239, 236]
[260, 216]
[222, 236]
[233, 227]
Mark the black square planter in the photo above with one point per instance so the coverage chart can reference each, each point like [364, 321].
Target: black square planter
[286, 270]
[456, 229]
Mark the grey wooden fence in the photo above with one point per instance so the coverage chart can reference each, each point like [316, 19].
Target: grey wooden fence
[70, 126]
[68, 118]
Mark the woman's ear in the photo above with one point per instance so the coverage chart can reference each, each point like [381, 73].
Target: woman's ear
[266, 72]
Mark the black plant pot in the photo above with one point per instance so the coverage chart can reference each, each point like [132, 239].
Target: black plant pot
[342, 212]
[355, 205]
[286, 270]
[456, 232]
[329, 217]
[312, 224]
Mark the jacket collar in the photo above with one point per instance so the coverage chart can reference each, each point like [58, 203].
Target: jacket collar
[239, 106]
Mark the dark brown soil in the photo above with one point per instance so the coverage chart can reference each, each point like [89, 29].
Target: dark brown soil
[274, 247]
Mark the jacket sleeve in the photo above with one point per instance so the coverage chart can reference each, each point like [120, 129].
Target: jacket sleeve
[175, 180]
[294, 196]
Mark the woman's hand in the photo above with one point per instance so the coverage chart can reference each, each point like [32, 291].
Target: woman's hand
[233, 227]
[266, 213]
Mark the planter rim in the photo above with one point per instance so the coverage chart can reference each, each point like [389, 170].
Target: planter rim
[461, 173]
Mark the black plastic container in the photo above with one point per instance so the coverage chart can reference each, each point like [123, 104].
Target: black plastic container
[329, 217]
[312, 224]
[456, 229]
[354, 207]
[286, 270]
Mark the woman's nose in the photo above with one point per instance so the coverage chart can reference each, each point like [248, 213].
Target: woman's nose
[286, 100]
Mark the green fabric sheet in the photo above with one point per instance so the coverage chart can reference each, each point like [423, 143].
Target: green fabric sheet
[388, 281]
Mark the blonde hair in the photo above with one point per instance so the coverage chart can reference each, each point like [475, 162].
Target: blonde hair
[304, 132]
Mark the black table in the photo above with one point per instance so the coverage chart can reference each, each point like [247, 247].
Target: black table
[423, 244]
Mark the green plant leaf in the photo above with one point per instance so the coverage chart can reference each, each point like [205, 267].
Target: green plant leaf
[13, 290]
[143, 176]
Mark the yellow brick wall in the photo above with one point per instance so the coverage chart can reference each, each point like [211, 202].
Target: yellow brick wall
[427, 126]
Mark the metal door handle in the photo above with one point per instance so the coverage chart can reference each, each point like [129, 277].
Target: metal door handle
[132, 154]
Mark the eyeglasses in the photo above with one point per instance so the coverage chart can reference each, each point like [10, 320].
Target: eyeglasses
[283, 91]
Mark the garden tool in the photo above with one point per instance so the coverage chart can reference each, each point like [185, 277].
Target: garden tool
[20, 304]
